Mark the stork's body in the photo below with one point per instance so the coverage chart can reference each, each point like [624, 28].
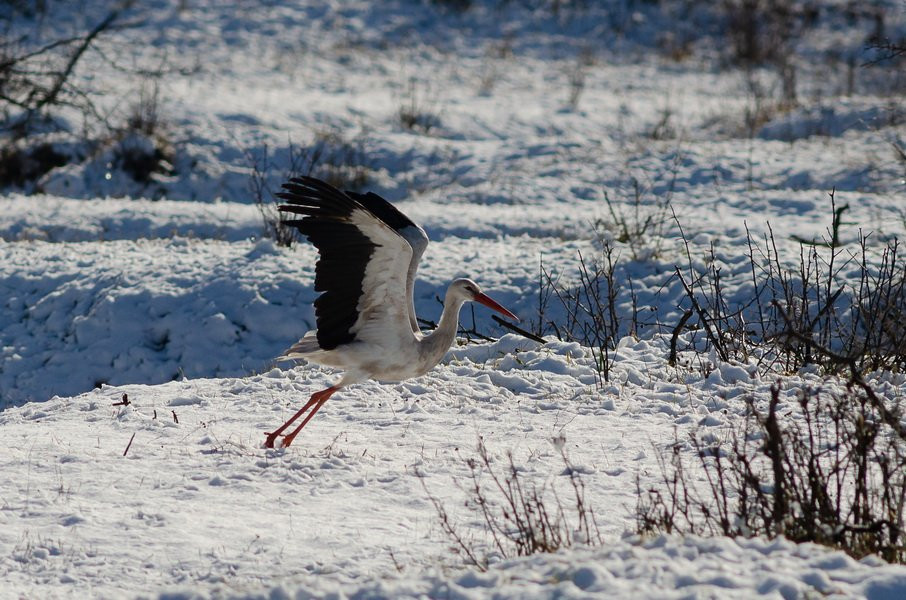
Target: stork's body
[366, 323]
[400, 354]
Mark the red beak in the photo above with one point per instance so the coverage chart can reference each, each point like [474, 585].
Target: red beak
[482, 299]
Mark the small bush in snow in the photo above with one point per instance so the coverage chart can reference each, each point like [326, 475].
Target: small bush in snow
[142, 157]
[576, 76]
[39, 90]
[520, 518]
[592, 300]
[415, 112]
[592, 314]
[337, 160]
[797, 309]
[21, 164]
[638, 223]
[142, 148]
[827, 467]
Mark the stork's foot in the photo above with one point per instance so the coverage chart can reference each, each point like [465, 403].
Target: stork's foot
[270, 441]
[317, 400]
[288, 438]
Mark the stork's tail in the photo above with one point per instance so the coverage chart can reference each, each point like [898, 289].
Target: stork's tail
[304, 348]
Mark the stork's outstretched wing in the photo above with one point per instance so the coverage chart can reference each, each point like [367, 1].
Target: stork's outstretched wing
[366, 266]
[404, 226]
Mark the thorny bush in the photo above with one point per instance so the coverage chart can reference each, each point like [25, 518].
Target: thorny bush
[821, 466]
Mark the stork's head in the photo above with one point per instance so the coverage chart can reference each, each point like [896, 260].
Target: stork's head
[469, 291]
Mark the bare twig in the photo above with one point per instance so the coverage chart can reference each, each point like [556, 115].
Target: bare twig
[124, 402]
[676, 333]
[519, 330]
[129, 445]
[703, 317]
[63, 76]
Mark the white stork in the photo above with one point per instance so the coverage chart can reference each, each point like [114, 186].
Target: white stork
[366, 325]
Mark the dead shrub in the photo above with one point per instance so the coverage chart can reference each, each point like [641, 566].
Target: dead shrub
[19, 166]
[38, 81]
[331, 157]
[142, 148]
[828, 467]
[761, 31]
[796, 308]
[520, 518]
[593, 315]
[416, 112]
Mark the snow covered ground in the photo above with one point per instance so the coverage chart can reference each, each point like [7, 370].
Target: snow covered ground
[167, 292]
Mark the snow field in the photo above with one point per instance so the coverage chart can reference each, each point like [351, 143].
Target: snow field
[167, 293]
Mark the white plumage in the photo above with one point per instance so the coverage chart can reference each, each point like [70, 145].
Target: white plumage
[366, 322]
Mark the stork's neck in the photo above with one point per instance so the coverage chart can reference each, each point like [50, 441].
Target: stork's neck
[436, 344]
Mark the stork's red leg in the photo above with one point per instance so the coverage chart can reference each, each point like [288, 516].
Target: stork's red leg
[271, 437]
[316, 400]
[321, 397]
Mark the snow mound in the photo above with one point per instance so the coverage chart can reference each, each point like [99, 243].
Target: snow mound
[149, 311]
[661, 568]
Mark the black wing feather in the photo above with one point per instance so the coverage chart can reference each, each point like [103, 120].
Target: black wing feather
[382, 209]
[345, 252]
